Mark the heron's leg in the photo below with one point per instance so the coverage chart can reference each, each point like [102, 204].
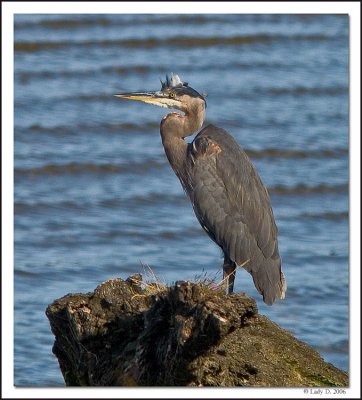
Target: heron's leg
[229, 269]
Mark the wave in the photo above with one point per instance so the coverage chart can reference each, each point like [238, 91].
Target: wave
[70, 22]
[23, 273]
[127, 127]
[286, 153]
[156, 234]
[135, 201]
[179, 199]
[81, 168]
[66, 23]
[173, 41]
[341, 347]
[332, 216]
[305, 190]
[25, 76]
[302, 91]
[23, 207]
[142, 167]
[118, 128]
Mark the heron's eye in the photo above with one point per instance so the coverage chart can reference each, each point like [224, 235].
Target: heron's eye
[172, 95]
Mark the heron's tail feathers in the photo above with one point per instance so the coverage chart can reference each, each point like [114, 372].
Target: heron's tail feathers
[283, 286]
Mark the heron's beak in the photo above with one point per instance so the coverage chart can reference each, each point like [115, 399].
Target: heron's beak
[157, 98]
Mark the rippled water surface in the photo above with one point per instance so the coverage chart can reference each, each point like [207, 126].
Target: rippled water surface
[95, 197]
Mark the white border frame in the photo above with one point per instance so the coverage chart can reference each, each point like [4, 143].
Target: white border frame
[7, 281]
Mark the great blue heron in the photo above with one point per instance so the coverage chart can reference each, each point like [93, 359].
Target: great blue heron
[225, 190]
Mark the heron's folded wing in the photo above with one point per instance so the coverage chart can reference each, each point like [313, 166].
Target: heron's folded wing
[233, 206]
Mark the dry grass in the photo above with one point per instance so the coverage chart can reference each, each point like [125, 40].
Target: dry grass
[152, 284]
[209, 280]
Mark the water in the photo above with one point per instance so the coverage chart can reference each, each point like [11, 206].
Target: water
[95, 196]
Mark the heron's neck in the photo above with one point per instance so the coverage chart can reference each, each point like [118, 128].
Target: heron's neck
[174, 128]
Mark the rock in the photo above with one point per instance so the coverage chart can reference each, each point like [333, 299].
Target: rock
[129, 333]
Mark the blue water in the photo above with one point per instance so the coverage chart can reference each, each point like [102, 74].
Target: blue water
[95, 197]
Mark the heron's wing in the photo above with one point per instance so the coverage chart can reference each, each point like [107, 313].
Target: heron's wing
[234, 208]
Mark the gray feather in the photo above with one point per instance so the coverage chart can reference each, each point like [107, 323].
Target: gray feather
[230, 200]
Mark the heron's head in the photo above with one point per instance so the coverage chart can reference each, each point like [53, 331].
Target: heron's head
[174, 94]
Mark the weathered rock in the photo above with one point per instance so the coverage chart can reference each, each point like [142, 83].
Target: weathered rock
[126, 333]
